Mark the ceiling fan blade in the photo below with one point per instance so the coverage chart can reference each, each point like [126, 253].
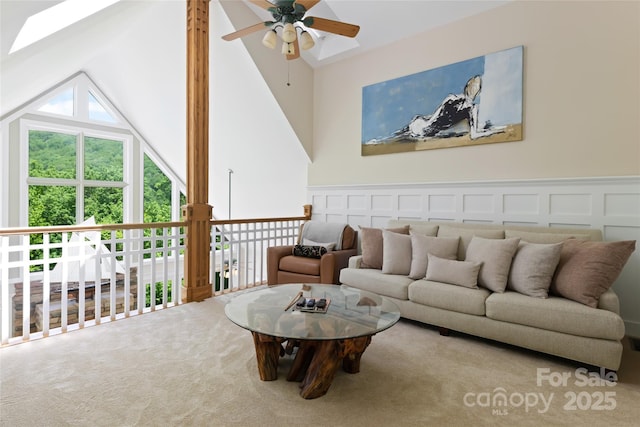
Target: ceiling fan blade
[264, 4]
[249, 30]
[308, 4]
[296, 51]
[331, 26]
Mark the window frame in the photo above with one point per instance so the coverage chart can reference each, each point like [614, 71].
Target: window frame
[80, 183]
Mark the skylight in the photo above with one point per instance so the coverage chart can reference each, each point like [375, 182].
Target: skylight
[55, 18]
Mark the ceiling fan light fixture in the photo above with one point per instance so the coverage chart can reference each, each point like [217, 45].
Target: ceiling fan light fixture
[288, 48]
[288, 33]
[270, 39]
[306, 41]
[289, 16]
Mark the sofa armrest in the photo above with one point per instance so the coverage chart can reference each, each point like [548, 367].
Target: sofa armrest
[274, 255]
[355, 261]
[332, 262]
[609, 301]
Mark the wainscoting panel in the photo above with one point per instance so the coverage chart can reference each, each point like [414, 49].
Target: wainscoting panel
[611, 204]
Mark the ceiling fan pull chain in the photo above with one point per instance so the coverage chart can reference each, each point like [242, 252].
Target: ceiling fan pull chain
[288, 69]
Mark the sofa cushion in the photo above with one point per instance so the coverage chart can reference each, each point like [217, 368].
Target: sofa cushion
[496, 256]
[532, 268]
[454, 272]
[396, 253]
[371, 242]
[372, 280]
[422, 245]
[555, 314]
[449, 297]
[534, 237]
[466, 234]
[587, 269]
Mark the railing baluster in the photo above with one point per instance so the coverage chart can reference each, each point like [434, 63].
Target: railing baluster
[175, 250]
[81, 286]
[152, 257]
[141, 273]
[112, 276]
[46, 286]
[165, 268]
[26, 290]
[126, 234]
[6, 314]
[97, 283]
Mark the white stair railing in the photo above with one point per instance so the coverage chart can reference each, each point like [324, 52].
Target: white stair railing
[58, 279]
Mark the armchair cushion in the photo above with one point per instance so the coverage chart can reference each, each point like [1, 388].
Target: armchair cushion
[300, 265]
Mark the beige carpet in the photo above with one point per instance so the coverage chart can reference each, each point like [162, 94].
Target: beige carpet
[189, 365]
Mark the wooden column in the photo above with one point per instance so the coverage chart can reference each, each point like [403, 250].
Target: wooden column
[197, 212]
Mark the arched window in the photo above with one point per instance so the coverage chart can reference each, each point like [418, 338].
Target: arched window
[79, 157]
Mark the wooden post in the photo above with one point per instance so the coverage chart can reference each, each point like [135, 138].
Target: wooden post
[197, 212]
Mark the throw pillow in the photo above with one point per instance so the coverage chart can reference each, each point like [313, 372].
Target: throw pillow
[309, 251]
[371, 244]
[588, 269]
[495, 256]
[461, 273]
[421, 246]
[532, 268]
[396, 253]
[535, 237]
[328, 246]
[466, 234]
[424, 229]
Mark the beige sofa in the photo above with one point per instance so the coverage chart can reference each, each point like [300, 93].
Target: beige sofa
[546, 323]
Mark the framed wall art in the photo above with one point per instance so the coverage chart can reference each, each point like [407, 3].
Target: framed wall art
[476, 101]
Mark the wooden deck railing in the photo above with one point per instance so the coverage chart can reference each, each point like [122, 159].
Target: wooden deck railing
[58, 279]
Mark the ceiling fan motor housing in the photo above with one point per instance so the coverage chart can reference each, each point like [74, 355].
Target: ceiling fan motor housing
[286, 11]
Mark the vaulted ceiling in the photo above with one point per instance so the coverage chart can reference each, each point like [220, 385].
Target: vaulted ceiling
[135, 52]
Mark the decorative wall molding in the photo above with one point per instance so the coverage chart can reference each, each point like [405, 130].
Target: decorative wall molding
[611, 204]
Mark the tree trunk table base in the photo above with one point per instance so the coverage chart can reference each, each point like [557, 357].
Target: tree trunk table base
[315, 363]
[268, 351]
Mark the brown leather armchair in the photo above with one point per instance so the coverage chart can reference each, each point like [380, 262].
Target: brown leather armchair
[284, 267]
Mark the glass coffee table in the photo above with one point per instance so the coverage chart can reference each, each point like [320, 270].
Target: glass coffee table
[320, 340]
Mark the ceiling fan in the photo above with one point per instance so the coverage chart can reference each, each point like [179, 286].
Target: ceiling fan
[289, 15]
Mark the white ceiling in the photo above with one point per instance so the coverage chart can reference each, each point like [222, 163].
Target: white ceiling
[381, 22]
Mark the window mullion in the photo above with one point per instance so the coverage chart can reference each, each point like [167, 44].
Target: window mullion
[52, 181]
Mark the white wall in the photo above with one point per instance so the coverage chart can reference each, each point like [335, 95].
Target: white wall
[581, 97]
[579, 161]
[249, 134]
